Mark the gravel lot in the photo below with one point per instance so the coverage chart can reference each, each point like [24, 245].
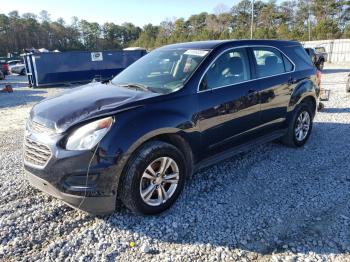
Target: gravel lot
[270, 204]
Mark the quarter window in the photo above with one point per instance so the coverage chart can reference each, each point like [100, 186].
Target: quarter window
[288, 66]
[270, 61]
[230, 68]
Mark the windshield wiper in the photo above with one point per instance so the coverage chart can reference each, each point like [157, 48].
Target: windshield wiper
[136, 85]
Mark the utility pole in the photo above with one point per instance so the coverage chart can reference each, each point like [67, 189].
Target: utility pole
[252, 21]
[308, 20]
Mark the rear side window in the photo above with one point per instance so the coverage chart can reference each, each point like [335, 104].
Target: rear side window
[230, 68]
[270, 61]
[320, 49]
[304, 59]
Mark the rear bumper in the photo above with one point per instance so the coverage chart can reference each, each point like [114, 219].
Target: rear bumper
[99, 205]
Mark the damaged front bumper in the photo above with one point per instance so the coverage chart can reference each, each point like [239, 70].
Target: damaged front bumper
[85, 180]
[93, 205]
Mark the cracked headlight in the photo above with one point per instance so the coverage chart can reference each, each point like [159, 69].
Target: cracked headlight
[89, 135]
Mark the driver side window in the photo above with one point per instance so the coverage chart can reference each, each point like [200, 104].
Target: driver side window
[230, 68]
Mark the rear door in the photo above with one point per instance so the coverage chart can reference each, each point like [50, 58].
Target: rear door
[228, 105]
[274, 82]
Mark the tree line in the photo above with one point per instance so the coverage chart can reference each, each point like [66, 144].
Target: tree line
[296, 20]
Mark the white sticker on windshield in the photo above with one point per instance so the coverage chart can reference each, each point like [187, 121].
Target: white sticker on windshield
[196, 52]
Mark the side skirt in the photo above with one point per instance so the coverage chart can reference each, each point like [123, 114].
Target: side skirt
[239, 149]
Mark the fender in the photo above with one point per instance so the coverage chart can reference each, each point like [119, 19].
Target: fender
[130, 132]
[303, 89]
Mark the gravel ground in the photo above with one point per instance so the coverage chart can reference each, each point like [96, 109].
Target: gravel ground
[270, 204]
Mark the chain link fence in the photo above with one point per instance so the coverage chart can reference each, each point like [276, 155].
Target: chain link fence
[338, 49]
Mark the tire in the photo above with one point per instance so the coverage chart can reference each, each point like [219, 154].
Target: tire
[23, 72]
[135, 180]
[291, 138]
[2, 76]
[348, 85]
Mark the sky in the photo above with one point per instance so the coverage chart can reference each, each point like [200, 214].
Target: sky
[139, 12]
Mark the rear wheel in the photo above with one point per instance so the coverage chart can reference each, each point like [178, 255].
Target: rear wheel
[153, 179]
[300, 126]
[23, 72]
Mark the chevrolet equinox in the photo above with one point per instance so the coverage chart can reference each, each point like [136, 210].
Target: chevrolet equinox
[174, 111]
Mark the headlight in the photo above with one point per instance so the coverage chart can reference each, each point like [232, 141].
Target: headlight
[88, 136]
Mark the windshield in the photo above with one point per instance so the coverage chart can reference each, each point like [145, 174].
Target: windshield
[161, 71]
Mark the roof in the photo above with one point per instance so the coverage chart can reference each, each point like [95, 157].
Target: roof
[211, 44]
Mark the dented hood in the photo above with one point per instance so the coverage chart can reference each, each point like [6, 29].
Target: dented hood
[71, 107]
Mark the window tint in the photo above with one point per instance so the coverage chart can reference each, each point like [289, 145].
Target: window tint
[288, 66]
[269, 61]
[230, 68]
[304, 60]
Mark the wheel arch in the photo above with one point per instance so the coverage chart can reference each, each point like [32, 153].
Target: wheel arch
[171, 136]
[312, 101]
[305, 91]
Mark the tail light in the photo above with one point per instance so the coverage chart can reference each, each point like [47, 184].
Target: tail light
[5, 66]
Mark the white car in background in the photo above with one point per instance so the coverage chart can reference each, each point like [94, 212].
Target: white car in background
[17, 67]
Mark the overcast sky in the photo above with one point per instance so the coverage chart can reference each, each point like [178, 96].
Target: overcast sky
[139, 12]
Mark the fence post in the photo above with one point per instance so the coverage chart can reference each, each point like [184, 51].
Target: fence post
[331, 51]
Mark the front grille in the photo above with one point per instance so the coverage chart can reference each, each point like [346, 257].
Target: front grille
[36, 153]
[40, 129]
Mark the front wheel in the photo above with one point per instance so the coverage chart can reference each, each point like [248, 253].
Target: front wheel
[300, 126]
[153, 179]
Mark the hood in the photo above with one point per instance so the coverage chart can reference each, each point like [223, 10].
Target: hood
[71, 107]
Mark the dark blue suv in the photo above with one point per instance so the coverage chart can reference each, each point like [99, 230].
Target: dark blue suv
[178, 109]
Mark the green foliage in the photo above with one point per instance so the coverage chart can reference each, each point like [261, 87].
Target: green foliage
[291, 19]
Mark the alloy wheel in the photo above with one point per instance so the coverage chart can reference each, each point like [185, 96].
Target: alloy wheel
[159, 181]
[302, 126]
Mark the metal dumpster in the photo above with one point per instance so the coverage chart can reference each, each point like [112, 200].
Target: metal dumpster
[52, 68]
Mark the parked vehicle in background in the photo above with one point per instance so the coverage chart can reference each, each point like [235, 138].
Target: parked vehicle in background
[16, 66]
[18, 69]
[312, 54]
[317, 58]
[322, 54]
[178, 109]
[4, 67]
[14, 62]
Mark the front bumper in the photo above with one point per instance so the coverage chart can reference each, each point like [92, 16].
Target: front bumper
[94, 205]
[85, 180]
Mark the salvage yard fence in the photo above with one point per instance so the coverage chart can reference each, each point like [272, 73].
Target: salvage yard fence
[338, 49]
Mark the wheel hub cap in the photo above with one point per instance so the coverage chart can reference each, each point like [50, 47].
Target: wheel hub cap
[159, 181]
[302, 126]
